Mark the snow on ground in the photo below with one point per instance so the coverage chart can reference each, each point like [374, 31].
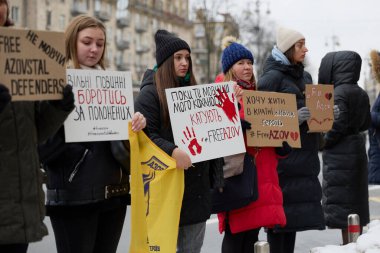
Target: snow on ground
[368, 242]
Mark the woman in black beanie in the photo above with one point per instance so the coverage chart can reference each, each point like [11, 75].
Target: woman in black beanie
[174, 69]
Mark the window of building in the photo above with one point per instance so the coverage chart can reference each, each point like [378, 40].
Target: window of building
[15, 14]
[48, 19]
[62, 22]
[122, 4]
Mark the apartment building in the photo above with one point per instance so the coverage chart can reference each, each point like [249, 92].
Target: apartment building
[130, 25]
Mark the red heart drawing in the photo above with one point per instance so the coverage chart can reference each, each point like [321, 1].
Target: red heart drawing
[328, 96]
[294, 135]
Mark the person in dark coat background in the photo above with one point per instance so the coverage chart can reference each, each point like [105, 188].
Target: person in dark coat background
[345, 183]
[298, 173]
[374, 130]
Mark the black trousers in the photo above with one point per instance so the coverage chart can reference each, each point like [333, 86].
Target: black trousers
[243, 242]
[281, 242]
[95, 231]
[14, 248]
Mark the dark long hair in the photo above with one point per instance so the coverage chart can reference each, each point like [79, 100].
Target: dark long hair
[290, 54]
[165, 77]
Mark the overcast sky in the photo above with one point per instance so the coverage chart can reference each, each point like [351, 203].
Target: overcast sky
[356, 23]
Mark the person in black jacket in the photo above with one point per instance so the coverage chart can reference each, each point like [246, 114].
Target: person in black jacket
[345, 173]
[23, 125]
[298, 173]
[174, 69]
[87, 188]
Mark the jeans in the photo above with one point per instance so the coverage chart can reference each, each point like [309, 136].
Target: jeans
[190, 238]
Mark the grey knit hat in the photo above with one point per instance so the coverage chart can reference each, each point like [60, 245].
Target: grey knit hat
[167, 44]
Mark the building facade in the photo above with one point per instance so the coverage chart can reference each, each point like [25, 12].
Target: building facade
[130, 25]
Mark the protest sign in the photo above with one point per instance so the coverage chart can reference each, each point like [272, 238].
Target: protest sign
[205, 120]
[103, 105]
[320, 101]
[32, 63]
[273, 117]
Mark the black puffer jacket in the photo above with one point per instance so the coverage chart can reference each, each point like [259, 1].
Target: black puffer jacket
[298, 173]
[196, 203]
[345, 184]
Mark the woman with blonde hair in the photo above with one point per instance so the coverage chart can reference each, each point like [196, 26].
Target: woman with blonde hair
[87, 187]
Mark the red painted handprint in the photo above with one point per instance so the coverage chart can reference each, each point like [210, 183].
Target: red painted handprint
[226, 104]
[193, 146]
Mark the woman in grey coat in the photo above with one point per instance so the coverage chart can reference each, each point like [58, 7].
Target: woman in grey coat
[345, 184]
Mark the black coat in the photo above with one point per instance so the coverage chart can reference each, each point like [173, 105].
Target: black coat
[345, 183]
[298, 173]
[24, 124]
[196, 203]
[78, 173]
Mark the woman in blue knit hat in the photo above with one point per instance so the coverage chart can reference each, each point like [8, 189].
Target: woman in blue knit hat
[174, 69]
[241, 226]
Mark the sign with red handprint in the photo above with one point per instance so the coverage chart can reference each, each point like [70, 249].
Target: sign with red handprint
[205, 120]
[273, 117]
[320, 101]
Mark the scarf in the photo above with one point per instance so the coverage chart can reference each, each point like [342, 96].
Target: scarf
[279, 56]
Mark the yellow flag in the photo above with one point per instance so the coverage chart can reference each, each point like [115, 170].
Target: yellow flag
[156, 197]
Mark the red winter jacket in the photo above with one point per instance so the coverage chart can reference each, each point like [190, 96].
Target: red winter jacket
[267, 210]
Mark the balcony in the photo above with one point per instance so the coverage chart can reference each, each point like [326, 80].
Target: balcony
[123, 66]
[78, 9]
[122, 44]
[141, 49]
[122, 22]
[102, 15]
[141, 27]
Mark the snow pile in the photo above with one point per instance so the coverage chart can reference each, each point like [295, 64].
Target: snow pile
[371, 240]
[366, 243]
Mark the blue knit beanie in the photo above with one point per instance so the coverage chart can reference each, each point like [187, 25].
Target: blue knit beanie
[234, 53]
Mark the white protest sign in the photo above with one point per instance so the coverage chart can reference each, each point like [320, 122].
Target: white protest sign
[103, 105]
[205, 120]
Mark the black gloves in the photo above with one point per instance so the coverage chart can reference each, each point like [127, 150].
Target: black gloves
[245, 125]
[284, 150]
[5, 97]
[67, 102]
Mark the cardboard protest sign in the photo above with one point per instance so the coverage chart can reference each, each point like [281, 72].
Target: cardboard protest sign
[205, 120]
[320, 101]
[32, 63]
[273, 117]
[103, 105]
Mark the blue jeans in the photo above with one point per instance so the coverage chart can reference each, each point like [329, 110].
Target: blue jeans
[190, 238]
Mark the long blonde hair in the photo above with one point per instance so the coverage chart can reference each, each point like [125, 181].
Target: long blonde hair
[76, 25]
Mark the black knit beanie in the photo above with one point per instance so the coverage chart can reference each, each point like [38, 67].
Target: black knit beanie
[167, 44]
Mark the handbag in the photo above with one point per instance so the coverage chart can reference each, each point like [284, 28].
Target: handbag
[233, 165]
[239, 190]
